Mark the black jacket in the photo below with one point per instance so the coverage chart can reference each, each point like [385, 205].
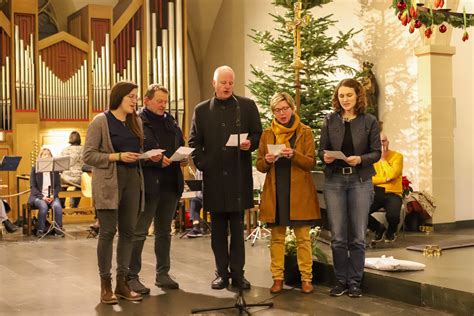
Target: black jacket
[36, 185]
[212, 124]
[365, 138]
[152, 170]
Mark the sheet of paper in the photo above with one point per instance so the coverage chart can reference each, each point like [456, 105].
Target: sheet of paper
[151, 153]
[336, 154]
[232, 141]
[275, 149]
[182, 153]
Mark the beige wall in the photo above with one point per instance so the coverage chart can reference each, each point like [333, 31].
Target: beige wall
[463, 86]
[225, 47]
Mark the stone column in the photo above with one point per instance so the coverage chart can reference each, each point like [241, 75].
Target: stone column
[436, 121]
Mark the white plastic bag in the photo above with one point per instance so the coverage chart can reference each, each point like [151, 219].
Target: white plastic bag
[390, 264]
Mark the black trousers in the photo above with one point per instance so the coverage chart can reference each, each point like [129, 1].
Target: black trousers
[230, 261]
[392, 203]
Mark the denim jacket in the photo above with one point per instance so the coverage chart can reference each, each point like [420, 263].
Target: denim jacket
[365, 138]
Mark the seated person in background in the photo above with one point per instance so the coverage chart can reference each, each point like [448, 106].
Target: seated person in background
[4, 209]
[42, 195]
[86, 187]
[73, 175]
[195, 209]
[388, 192]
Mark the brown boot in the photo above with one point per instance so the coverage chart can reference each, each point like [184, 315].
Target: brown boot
[306, 287]
[123, 291]
[106, 294]
[277, 286]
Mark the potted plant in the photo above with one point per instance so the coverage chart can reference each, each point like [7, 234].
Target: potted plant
[292, 273]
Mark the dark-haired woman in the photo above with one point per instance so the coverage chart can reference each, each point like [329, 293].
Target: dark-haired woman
[348, 188]
[73, 175]
[113, 144]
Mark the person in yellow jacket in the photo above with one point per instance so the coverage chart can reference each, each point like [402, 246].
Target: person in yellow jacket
[388, 192]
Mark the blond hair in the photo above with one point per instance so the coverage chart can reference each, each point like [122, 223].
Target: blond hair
[281, 96]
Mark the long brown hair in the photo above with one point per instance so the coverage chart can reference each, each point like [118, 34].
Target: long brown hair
[117, 93]
[361, 103]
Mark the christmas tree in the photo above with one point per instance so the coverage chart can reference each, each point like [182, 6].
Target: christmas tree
[319, 54]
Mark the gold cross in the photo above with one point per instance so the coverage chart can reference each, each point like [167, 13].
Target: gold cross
[295, 26]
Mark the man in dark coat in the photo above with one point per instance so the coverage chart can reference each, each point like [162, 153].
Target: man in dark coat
[213, 122]
[163, 188]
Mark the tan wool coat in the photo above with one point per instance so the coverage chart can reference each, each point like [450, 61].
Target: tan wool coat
[304, 203]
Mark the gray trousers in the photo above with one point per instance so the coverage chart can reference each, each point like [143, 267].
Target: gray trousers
[125, 218]
[160, 207]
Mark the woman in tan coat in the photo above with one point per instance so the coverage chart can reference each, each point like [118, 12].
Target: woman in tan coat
[289, 195]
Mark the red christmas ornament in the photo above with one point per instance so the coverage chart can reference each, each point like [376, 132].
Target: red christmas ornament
[413, 12]
[465, 36]
[442, 28]
[401, 5]
[412, 28]
[418, 24]
[428, 32]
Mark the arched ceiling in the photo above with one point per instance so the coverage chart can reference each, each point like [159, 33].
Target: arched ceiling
[64, 8]
[201, 19]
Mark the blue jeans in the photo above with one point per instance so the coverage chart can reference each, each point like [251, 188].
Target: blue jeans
[348, 201]
[42, 207]
[195, 209]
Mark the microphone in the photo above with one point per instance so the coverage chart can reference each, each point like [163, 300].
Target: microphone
[237, 110]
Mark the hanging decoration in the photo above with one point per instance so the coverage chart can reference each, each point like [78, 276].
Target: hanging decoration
[433, 15]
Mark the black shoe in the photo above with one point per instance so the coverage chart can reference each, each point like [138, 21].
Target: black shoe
[9, 226]
[355, 291]
[59, 232]
[245, 284]
[378, 237]
[390, 237]
[136, 286]
[220, 283]
[195, 232]
[338, 290]
[166, 282]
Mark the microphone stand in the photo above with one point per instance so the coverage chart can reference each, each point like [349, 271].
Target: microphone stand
[240, 303]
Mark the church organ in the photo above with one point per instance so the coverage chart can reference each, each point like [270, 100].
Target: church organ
[60, 82]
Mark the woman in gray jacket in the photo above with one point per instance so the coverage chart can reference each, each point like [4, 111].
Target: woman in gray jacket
[348, 188]
[113, 143]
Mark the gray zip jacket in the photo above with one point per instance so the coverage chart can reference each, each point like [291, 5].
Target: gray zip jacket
[365, 137]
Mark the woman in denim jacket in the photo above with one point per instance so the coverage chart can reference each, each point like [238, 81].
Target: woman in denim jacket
[348, 188]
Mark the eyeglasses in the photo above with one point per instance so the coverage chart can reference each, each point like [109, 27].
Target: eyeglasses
[161, 101]
[132, 96]
[281, 110]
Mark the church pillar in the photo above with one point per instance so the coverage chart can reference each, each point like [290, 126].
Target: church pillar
[436, 122]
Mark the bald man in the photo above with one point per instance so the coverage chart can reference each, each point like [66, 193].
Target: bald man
[213, 122]
[388, 192]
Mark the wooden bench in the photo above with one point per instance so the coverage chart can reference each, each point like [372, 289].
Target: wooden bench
[80, 213]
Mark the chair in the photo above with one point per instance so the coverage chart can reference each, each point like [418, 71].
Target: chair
[381, 218]
[26, 211]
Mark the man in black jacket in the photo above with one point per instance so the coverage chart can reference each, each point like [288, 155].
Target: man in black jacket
[213, 122]
[163, 188]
